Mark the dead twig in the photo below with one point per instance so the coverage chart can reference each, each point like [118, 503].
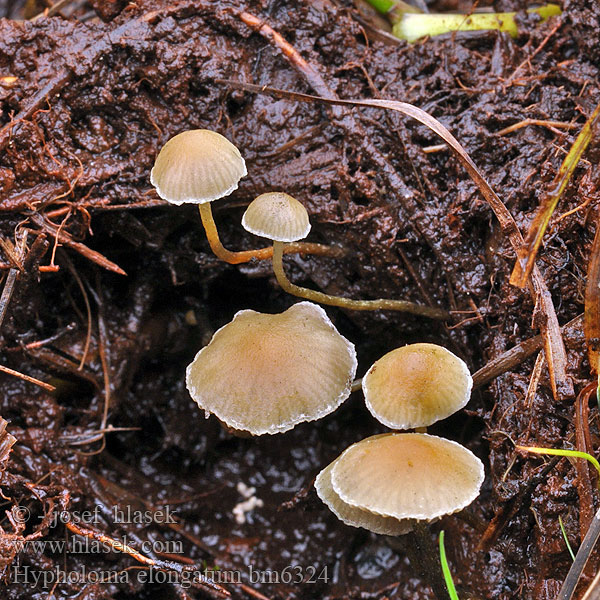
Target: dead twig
[103, 344]
[533, 241]
[155, 563]
[62, 364]
[508, 510]
[15, 255]
[540, 122]
[65, 238]
[88, 308]
[252, 593]
[584, 444]
[516, 355]
[40, 343]
[592, 304]
[535, 52]
[93, 436]
[48, 12]
[7, 441]
[593, 592]
[42, 384]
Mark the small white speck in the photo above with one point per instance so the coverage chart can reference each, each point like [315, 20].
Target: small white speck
[245, 490]
[249, 504]
[240, 509]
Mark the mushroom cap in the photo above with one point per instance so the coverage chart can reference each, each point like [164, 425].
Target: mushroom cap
[408, 476]
[265, 373]
[277, 216]
[416, 385]
[353, 516]
[197, 166]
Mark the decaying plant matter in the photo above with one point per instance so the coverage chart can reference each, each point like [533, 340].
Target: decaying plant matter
[85, 106]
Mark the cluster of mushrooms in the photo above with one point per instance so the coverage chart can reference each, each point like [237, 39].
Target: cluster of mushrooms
[266, 373]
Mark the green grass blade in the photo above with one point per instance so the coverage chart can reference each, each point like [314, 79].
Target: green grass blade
[540, 223]
[382, 6]
[393, 9]
[446, 570]
[560, 452]
[564, 534]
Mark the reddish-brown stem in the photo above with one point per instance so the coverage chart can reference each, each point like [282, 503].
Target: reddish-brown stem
[244, 256]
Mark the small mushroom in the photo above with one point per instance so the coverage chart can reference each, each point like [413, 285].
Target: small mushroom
[416, 385]
[200, 166]
[277, 216]
[353, 516]
[281, 218]
[265, 373]
[408, 476]
[395, 483]
[197, 166]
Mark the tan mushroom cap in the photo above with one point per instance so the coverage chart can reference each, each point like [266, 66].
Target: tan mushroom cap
[277, 216]
[353, 516]
[416, 385]
[197, 166]
[408, 476]
[265, 373]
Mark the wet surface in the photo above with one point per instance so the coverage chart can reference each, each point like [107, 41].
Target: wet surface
[90, 104]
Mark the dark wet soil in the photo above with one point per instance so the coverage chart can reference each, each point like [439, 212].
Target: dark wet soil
[85, 104]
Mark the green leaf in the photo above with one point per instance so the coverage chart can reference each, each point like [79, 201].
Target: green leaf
[564, 534]
[560, 452]
[446, 570]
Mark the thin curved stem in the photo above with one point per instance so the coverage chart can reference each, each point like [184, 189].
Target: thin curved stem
[235, 258]
[424, 558]
[587, 546]
[382, 304]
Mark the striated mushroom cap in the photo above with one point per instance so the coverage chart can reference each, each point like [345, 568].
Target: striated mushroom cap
[416, 385]
[277, 216]
[407, 476]
[352, 515]
[197, 166]
[265, 373]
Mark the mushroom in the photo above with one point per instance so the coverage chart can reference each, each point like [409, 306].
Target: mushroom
[277, 216]
[416, 385]
[265, 373]
[407, 476]
[200, 166]
[281, 218]
[197, 166]
[396, 483]
[352, 515]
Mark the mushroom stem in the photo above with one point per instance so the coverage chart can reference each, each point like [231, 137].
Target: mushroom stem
[356, 385]
[382, 304]
[424, 558]
[235, 258]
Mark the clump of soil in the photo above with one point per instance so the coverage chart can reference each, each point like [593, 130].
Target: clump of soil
[86, 103]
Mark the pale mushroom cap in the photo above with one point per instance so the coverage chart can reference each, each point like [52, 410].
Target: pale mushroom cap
[265, 373]
[197, 166]
[277, 216]
[416, 385]
[408, 476]
[353, 516]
